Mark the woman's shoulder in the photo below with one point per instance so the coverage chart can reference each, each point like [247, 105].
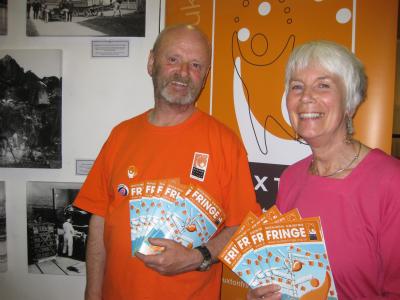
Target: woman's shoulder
[298, 167]
[376, 158]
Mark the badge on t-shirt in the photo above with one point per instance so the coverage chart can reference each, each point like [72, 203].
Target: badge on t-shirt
[132, 171]
[199, 166]
[122, 189]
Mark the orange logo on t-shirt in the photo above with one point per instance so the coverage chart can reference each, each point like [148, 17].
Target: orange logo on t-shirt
[199, 166]
[132, 171]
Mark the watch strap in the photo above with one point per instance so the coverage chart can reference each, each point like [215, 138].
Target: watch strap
[206, 263]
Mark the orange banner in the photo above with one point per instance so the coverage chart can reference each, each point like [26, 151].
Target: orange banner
[194, 12]
[252, 40]
[251, 43]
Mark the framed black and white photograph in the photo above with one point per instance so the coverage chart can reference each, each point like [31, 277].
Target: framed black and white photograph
[86, 18]
[3, 17]
[3, 229]
[30, 108]
[57, 231]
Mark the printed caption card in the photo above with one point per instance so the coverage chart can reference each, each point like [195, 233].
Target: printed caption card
[282, 249]
[170, 210]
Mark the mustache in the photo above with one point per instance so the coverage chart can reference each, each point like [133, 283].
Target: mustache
[178, 78]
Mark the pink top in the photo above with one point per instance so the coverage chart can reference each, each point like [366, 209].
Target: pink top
[360, 217]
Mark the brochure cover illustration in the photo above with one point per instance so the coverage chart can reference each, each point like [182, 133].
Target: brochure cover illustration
[284, 250]
[170, 210]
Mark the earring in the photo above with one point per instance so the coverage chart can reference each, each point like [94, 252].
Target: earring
[349, 130]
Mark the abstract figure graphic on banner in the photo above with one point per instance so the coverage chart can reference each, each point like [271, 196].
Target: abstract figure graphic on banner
[262, 35]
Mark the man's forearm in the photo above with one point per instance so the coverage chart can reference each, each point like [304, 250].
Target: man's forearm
[95, 259]
[216, 244]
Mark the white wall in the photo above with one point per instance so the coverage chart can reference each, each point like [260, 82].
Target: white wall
[98, 93]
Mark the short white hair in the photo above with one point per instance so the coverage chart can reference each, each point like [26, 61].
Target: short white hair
[337, 60]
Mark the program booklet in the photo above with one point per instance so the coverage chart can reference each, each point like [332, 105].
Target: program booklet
[170, 210]
[288, 251]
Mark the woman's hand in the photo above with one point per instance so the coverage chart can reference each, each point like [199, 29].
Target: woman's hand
[267, 292]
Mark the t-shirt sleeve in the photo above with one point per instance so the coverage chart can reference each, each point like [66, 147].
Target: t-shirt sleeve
[95, 194]
[239, 189]
[389, 237]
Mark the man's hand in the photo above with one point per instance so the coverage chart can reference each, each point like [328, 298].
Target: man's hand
[267, 292]
[174, 259]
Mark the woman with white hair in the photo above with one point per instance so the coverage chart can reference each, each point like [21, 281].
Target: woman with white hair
[353, 188]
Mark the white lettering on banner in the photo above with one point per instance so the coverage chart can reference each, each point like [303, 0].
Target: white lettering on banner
[192, 5]
[278, 234]
[192, 9]
[260, 183]
[277, 180]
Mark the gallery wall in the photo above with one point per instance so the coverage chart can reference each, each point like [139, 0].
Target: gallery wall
[97, 93]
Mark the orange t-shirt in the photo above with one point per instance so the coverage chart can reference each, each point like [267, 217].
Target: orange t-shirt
[137, 151]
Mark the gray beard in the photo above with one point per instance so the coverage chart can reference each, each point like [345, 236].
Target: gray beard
[188, 99]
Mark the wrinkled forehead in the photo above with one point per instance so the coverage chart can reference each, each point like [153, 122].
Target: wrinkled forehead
[183, 37]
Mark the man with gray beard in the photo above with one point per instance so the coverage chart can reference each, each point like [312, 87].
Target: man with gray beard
[176, 142]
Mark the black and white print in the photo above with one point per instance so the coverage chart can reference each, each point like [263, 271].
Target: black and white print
[57, 231]
[3, 229]
[30, 108]
[85, 18]
[3, 17]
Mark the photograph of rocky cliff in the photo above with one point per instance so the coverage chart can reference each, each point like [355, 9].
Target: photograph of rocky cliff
[30, 108]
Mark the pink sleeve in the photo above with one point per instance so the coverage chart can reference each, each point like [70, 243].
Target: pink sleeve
[389, 239]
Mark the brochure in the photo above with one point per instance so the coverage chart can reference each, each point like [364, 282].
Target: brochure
[288, 251]
[170, 210]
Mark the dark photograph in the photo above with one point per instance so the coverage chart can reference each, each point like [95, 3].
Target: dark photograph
[3, 231]
[30, 108]
[57, 231]
[3, 17]
[85, 18]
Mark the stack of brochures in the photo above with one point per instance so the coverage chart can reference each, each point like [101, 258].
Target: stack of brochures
[170, 210]
[282, 249]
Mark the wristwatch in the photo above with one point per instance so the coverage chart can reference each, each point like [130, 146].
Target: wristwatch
[206, 263]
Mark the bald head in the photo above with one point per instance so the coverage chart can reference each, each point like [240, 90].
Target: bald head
[182, 29]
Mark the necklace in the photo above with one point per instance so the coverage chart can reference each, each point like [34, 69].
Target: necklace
[314, 170]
